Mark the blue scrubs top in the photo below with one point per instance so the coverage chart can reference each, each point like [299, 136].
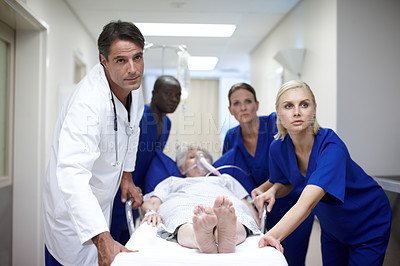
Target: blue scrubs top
[355, 208]
[148, 144]
[257, 166]
[235, 153]
[161, 167]
[232, 159]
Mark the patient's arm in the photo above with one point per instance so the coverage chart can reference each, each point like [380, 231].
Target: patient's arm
[253, 211]
[149, 208]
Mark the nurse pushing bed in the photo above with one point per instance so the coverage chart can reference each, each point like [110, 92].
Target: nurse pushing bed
[353, 210]
[247, 146]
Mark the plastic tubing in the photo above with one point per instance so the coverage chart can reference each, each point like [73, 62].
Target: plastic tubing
[208, 165]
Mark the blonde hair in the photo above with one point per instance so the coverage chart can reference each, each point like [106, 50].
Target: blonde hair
[282, 131]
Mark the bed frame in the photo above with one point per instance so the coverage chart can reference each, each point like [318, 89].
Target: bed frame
[155, 251]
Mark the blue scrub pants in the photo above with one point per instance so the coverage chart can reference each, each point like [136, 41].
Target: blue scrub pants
[370, 253]
[296, 244]
[49, 260]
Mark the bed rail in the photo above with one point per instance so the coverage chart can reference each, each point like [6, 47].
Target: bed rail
[263, 224]
[129, 216]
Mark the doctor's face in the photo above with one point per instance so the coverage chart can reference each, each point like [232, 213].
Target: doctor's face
[296, 111]
[243, 106]
[124, 67]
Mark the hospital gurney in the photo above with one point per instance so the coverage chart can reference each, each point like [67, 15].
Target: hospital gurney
[157, 251]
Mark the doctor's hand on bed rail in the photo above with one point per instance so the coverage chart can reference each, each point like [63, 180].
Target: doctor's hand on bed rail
[129, 188]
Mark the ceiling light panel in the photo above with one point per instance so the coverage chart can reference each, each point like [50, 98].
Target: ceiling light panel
[186, 30]
[202, 62]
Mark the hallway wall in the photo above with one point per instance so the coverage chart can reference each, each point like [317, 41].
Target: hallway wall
[310, 25]
[48, 40]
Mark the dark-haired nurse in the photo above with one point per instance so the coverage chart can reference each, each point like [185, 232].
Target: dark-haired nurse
[353, 210]
[250, 141]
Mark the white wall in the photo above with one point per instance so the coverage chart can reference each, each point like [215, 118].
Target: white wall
[66, 39]
[352, 62]
[310, 25]
[368, 84]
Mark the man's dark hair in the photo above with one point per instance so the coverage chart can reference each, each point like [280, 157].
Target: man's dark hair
[120, 30]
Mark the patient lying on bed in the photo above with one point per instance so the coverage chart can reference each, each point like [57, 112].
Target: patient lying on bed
[181, 207]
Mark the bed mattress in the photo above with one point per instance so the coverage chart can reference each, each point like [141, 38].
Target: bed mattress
[154, 251]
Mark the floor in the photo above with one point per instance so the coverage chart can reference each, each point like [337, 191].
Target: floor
[314, 249]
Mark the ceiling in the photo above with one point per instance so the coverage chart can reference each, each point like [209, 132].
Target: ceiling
[254, 20]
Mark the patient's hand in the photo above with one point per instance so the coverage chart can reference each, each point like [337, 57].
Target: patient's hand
[152, 218]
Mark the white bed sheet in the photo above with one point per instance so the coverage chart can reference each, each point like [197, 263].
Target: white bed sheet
[156, 251]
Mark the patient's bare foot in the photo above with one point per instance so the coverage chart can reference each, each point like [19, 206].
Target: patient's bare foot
[226, 226]
[204, 221]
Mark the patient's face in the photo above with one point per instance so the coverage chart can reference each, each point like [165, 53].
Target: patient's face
[191, 160]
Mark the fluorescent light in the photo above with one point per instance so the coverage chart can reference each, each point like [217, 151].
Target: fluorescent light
[186, 30]
[202, 62]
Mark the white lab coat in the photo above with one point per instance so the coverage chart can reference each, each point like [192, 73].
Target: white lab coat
[82, 178]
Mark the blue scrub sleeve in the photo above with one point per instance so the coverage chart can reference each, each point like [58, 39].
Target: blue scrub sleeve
[330, 173]
[276, 175]
[227, 143]
[234, 158]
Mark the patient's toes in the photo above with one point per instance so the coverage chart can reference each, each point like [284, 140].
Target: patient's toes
[205, 218]
[226, 226]
[219, 201]
[197, 209]
[203, 226]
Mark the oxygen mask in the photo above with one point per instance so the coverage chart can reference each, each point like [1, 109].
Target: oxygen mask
[203, 166]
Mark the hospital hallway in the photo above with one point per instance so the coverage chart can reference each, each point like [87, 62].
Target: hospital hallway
[347, 50]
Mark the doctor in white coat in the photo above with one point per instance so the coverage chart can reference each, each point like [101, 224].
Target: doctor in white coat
[94, 152]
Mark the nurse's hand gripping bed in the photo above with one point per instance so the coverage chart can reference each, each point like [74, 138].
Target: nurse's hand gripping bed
[153, 250]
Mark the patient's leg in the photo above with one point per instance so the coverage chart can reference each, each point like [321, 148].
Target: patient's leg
[229, 232]
[200, 234]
